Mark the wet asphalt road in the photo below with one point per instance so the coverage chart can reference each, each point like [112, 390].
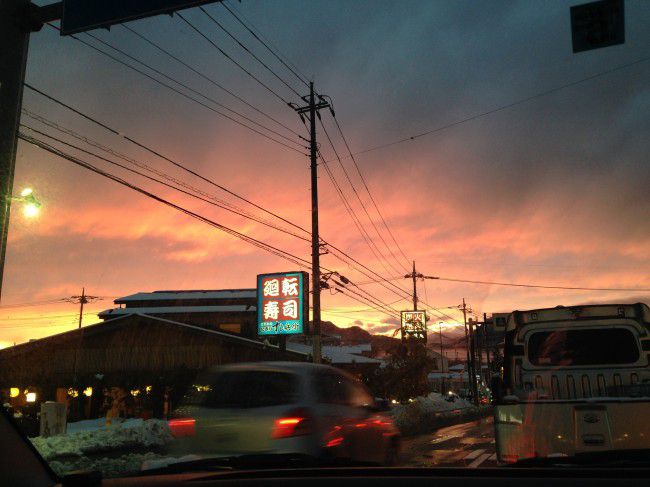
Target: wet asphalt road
[468, 445]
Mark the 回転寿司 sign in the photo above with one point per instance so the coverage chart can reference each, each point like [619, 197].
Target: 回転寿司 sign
[282, 303]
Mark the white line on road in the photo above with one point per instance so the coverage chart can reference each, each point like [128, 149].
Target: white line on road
[493, 457]
[474, 454]
[479, 460]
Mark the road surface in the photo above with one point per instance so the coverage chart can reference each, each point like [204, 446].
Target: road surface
[468, 445]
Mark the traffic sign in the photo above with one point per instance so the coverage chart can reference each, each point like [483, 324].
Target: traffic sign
[83, 15]
[597, 24]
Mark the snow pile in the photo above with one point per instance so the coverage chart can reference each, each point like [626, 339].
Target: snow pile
[425, 413]
[91, 438]
[121, 466]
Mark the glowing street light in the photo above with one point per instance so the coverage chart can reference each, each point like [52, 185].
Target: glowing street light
[32, 206]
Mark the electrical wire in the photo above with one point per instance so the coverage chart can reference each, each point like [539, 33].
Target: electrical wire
[229, 57]
[208, 78]
[504, 107]
[365, 184]
[218, 24]
[32, 303]
[363, 206]
[276, 52]
[183, 94]
[541, 286]
[303, 263]
[162, 156]
[194, 193]
[352, 214]
[333, 249]
[192, 90]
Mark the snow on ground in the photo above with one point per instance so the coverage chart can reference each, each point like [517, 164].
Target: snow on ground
[419, 415]
[92, 437]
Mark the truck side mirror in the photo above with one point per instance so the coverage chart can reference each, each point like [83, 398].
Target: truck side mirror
[498, 389]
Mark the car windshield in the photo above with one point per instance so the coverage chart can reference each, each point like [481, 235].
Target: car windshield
[278, 233]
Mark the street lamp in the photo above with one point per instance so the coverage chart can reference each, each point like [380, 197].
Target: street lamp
[32, 206]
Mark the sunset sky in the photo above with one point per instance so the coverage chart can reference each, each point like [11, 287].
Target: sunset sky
[553, 191]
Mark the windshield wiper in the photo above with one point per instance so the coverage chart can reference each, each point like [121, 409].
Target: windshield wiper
[599, 459]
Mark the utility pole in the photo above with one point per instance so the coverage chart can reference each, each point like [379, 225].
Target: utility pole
[417, 275]
[488, 375]
[471, 325]
[312, 108]
[479, 348]
[81, 300]
[14, 39]
[442, 361]
[471, 376]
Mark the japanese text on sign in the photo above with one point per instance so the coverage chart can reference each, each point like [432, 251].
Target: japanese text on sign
[281, 303]
[414, 325]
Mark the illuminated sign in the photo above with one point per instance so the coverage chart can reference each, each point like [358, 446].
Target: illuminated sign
[414, 326]
[282, 303]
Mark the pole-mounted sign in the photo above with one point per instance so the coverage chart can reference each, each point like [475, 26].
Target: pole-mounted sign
[597, 24]
[414, 326]
[282, 303]
[83, 15]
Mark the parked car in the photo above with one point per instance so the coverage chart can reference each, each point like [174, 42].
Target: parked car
[274, 408]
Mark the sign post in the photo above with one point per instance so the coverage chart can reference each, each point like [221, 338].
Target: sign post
[282, 303]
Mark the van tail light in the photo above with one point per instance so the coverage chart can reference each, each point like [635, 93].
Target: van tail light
[295, 423]
[182, 427]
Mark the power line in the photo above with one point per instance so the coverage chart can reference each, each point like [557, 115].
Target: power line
[346, 258]
[32, 303]
[541, 286]
[196, 92]
[162, 156]
[192, 193]
[207, 78]
[365, 295]
[257, 243]
[274, 250]
[359, 299]
[276, 52]
[181, 93]
[365, 184]
[333, 248]
[363, 206]
[218, 24]
[40, 317]
[229, 57]
[504, 107]
[352, 214]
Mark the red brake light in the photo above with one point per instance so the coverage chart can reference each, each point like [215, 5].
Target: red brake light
[294, 423]
[182, 427]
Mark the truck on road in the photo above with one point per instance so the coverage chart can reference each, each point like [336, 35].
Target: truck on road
[576, 380]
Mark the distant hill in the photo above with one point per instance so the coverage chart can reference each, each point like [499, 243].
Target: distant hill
[382, 344]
